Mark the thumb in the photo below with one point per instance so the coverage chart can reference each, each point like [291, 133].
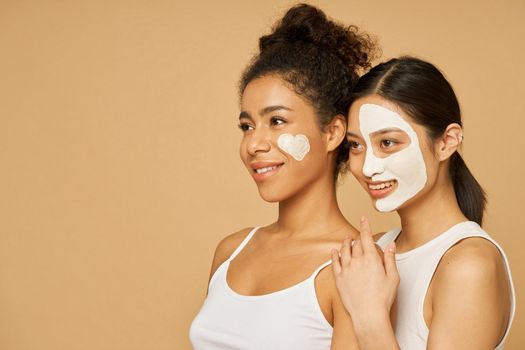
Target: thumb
[390, 262]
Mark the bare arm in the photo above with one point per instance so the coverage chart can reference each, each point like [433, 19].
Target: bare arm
[469, 297]
[343, 337]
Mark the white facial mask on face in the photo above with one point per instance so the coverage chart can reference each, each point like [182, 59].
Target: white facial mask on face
[407, 166]
[297, 146]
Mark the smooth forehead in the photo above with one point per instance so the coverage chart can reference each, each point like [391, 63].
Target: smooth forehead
[268, 90]
[374, 117]
[373, 113]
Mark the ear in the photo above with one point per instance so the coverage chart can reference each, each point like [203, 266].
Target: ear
[335, 132]
[449, 142]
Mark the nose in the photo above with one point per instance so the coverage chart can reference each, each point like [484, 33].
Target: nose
[258, 142]
[373, 165]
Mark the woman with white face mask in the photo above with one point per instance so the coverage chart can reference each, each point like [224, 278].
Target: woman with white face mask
[271, 287]
[455, 288]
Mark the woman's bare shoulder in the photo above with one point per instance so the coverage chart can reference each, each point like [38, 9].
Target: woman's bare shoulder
[229, 243]
[227, 246]
[473, 258]
[470, 283]
[475, 269]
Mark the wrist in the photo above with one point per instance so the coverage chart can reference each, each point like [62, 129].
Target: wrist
[372, 323]
[376, 332]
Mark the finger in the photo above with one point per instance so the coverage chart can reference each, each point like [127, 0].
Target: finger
[346, 254]
[336, 264]
[357, 249]
[390, 262]
[380, 253]
[366, 236]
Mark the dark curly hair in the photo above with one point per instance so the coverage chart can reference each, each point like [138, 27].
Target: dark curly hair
[319, 58]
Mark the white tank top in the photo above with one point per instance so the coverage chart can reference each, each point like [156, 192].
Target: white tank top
[288, 319]
[416, 268]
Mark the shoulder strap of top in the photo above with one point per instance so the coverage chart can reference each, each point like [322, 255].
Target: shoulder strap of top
[243, 243]
[388, 237]
[316, 272]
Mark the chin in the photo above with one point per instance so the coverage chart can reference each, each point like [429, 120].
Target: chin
[391, 207]
[276, 194]
[270, 196]
[384, 210]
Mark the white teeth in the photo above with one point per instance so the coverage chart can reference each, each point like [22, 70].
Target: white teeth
[265, 170]
[381, 185]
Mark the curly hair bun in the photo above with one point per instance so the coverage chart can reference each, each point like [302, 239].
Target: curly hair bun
[305, 25]
[319, 58]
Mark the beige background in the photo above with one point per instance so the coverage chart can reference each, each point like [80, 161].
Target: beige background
[118, 152]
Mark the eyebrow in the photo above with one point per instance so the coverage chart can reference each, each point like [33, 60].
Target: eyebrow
[264, 111]
[245, 115]
[349, 133]
[271, 109]
[385, 131]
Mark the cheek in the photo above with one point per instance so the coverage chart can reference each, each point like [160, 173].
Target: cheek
[243, 153]
[430, 162]
[356, 164]
[297, 146]
[431, 168]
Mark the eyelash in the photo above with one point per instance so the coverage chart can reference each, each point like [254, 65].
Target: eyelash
[274, 121]
[244, 127]
[277, 121]
[355, 146]
[392, 143]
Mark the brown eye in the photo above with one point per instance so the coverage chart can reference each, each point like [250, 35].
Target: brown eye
[355, 146]
[245, 127]
[387, 143]
[277, 121]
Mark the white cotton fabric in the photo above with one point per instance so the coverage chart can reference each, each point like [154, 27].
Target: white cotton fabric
[290, 318]
[416, 268]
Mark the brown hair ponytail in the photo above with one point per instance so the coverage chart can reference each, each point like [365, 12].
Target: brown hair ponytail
[471, 197]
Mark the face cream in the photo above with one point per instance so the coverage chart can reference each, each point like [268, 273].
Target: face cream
[406, 167]
[297, 146]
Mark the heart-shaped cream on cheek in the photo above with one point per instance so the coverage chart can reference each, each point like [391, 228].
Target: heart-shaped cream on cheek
[297, 146]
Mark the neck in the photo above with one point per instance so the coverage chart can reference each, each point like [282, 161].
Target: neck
[431, 215]
[314, 211]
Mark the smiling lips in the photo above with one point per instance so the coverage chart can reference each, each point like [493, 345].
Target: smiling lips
[381, 189]
[263, 170]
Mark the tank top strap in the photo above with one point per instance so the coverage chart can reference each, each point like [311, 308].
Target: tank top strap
[388, 237]
[243, 243]
[323, 265]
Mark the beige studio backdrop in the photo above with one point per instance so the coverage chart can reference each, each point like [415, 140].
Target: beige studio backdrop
[119, 162]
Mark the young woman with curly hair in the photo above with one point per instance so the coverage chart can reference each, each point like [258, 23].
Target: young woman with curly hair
[271, 286]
